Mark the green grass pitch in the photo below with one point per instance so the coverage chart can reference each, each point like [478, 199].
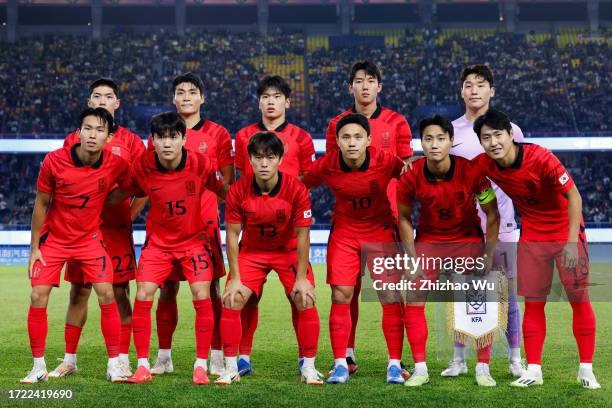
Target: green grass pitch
[276, 381]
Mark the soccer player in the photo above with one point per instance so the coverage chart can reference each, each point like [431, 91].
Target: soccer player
[272, 210]
[389, 132]
[448, 226]
[174, 179]
[274, 96]
[358, 176]
[116, 231]
[73, 184]
[214, 141]
[477, 89]
[552, 232]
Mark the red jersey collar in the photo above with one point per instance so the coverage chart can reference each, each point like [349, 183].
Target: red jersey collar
[275, 190]
[429, 176]
[180, 166]
[280, 128]
[364, 166]
[199, 125]
[376, 113]
[78, 163]
[518, 162]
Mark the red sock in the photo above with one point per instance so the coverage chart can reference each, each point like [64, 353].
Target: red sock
[126, 338]
[37, 330]
[534, 331]
[249, 318]
[231, 331]
[393, 328]
[141, 327]
[166, 316]
[204, 323]
[217, 306]
[72, 334]
[308, 332]
[354, 314]
[111, 328]
[584, 330]
[416, 331]
[295, 320]
[339, 328]
[484, 354]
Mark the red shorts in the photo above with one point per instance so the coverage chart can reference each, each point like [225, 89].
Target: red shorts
[536, 264]
[215, 251]
[90, 256]
[155, 265]
[255, 266]
[120, 248]
[436, 257]
[344, 252]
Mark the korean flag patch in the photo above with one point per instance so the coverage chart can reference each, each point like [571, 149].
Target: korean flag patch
[564, 179]
[307, 214]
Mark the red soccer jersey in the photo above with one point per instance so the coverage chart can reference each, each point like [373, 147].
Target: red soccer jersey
[537, 183]
[213, 140]
[174, 220]
[360, 196]
[128, 146]
[78, 193]
[448, 206]
[299, 148]
[389, 130]
[268, 220]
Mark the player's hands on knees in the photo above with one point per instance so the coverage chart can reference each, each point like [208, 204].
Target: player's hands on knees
[304, 288]
[570, 255]
[35, 255]
[233, 289]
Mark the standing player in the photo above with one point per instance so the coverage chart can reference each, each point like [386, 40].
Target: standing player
[477, 90]
[446, 186]
[214, 141]
[389, 131]
[72, 187]
[116, 231]
[174, 179]
[358, 176]
[552, 232]
[274, 95]
[272, 210]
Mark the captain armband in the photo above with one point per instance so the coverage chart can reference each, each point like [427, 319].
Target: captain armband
[486, 196]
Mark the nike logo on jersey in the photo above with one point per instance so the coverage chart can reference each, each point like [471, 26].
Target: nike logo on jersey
[455, 145]
[155, 189]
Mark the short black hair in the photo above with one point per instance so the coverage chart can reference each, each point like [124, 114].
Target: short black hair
[494, 119]
[357, 118]
[266, 143]
[480, 70]
[189, 78]
[438, 120]
[100, 113]
[104, 82]
[368, 66]
[273, 81]
[168, 123]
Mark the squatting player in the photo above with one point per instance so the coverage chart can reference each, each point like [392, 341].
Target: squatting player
[116, 231]
[274, 96]
[272, 210]
[214, 141]
[389, 131]
[552, 232]
[72, 188]
[174, 179]
[447, 187]
[358, 176]
[477, 89]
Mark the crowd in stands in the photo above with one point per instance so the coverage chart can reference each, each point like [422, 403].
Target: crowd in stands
[544, 87]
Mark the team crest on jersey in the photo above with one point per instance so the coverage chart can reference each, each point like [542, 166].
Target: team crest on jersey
[203, 147]
[281, 216]
[460, 197]
[386, 140]
[190, 187]
[116, 150]
[531, 186]
[102, 185]
[476, 301]
[374, 187]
